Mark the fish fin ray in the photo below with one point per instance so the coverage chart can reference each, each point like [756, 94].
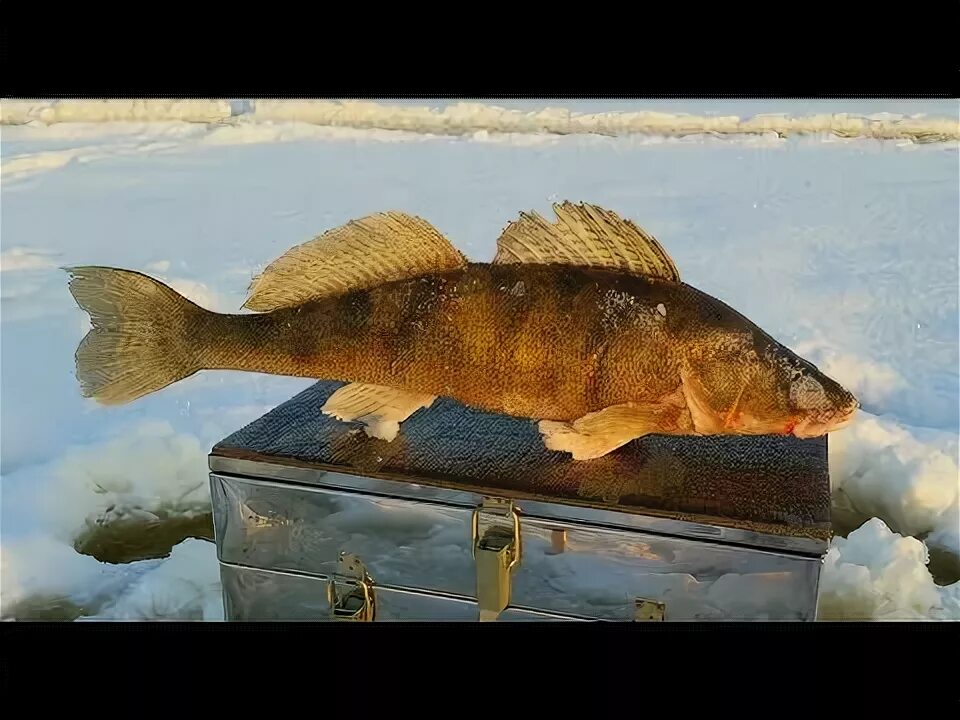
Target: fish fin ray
[138, 341]
[705, 419]
[599, 433]
[361, 254]
[585, 235]
[380, 409]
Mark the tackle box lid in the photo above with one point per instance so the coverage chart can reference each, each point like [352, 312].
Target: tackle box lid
[766, 491]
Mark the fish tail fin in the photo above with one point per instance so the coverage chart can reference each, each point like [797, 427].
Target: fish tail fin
[139, 340]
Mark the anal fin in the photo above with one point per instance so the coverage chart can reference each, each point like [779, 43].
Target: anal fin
[599, 433]
[380, 409]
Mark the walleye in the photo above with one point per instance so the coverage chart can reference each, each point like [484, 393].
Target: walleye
[581, 325]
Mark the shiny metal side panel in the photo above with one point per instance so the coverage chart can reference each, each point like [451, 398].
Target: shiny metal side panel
[596, 572]
[401, 542]
[252, 594]
[602, 572]
[534, 508]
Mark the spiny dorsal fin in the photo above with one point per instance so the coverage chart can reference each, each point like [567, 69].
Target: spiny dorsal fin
[584, 235]
[357, 256]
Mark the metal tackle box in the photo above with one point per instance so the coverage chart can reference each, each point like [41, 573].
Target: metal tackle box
[467, 516]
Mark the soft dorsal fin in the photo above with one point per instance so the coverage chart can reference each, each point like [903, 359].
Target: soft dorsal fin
[585, 235]
[356, 256]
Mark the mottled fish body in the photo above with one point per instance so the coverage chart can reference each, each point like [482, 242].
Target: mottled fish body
[582, 325]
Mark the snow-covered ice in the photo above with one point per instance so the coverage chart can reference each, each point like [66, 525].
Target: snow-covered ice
[184, 587]
[145, 470]
[906, 476]
[877, 574]
[18, 258]
[843, 248]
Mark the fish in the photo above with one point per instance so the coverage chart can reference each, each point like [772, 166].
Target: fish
[581, 325]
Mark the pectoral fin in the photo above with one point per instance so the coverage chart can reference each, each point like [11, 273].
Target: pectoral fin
[380, 409]
[599, 433]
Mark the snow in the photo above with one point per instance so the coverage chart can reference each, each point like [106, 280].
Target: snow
[845, 248]
[184, 587]
[142, 476]
[474, 117]
[19, 258]
[875, 573]
[15, 112]
[907, 477]
[41, 566]
[130, 477]
[869, 380]
[946, 535]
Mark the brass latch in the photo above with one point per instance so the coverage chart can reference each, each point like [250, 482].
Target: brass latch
[350, 591]
[649, 610]
[497, 553]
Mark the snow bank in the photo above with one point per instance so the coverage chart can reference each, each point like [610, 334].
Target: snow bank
[871, 381]
[250, 131]
[906, 476]
[469, 118]
[876, 574]
[41, 573]
[27, 165]
[147, 473]
[20, 258]
[144, 478]
[946, 536]
[18, 112]
[186, 586]
[46, 569]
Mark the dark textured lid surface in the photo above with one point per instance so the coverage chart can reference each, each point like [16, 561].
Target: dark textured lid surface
[776, 485]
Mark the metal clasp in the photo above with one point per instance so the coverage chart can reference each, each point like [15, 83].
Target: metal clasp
[497, 554]
[649, 610]
[356, 601]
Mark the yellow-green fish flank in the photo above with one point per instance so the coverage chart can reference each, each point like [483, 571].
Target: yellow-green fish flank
[582, 325]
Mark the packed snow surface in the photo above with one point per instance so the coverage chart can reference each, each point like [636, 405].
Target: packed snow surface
[834, 227]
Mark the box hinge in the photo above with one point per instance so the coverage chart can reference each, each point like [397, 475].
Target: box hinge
[350, 591]
[496, 550]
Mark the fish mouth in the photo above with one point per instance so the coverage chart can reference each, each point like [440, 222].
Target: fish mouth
[841, 422]
[845, 416]
[813, 428]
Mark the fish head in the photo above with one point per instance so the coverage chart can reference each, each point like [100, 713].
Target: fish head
[740, 381]
[818, 403]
